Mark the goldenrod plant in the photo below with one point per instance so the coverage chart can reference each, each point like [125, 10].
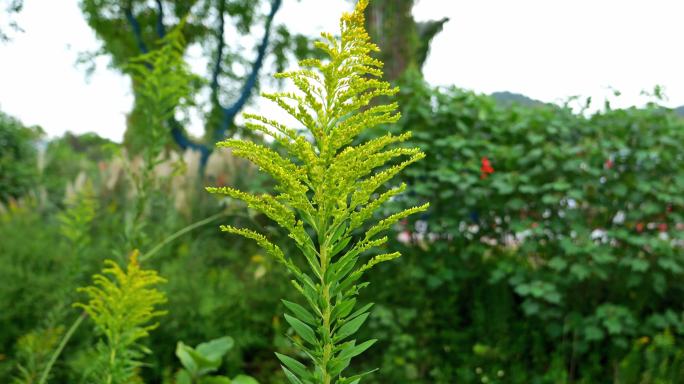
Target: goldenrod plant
[123, 305]
[76, 219]
[75, 224]
[329, 184]
[165, 87]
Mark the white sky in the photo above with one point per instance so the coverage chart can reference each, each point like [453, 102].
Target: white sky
[548, 50]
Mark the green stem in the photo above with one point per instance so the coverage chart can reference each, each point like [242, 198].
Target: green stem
[328, 345]
[180, 233]
[60, 347]
[113, 349]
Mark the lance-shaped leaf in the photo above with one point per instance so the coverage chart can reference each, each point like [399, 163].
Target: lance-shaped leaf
[301, 328]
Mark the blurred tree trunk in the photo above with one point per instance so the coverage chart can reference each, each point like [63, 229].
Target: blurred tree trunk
[404, 43]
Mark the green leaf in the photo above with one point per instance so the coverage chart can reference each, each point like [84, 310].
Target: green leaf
[183, 354]
[243, 379]
[183, 377]
[356, 350]
[294, 365]
[338, 232]
[561, 186]
[557, 263]
[291, 376]
[593, 333]
[549, 199]
[503, 187]
[217, 380]
[349, 328]
[343, 309]
[340, 246]
[312, 259]
[206, 357]
[356, 378]
[310, 292]
[637, 265]
[215, 349]
[670, 265]
[361, 310]
[337, 365]
[194, 362]
[302, 329]
[581, 272]
[300, 312]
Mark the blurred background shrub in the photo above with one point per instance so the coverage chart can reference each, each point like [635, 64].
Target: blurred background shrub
[552, 252]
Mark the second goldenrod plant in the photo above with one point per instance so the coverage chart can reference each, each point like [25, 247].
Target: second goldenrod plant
[123, 306]
[329, 184]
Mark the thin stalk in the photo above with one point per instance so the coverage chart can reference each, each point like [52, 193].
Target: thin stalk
[180, 233]
[60, 347]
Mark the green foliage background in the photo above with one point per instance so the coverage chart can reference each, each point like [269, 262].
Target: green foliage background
[564, 263]
[555, 267]
[19, 157]
[505, 278]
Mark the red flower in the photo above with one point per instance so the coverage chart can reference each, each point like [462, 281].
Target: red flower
[640, 227]
[486, 168]
[662, 227]
[609, 164]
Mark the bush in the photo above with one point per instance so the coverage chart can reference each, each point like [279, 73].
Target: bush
[552, 244]
[18, 157]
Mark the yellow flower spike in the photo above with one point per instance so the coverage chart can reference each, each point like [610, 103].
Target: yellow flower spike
[123, 305]
[329, 185]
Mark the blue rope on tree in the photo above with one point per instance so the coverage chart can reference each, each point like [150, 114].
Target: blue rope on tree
[229, 113]
[135, 26]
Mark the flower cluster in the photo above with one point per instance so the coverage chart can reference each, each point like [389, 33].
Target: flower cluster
[486, 168]
[123, 307]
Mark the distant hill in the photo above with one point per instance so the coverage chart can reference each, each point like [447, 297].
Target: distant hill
[506, 98]
[679, 110]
